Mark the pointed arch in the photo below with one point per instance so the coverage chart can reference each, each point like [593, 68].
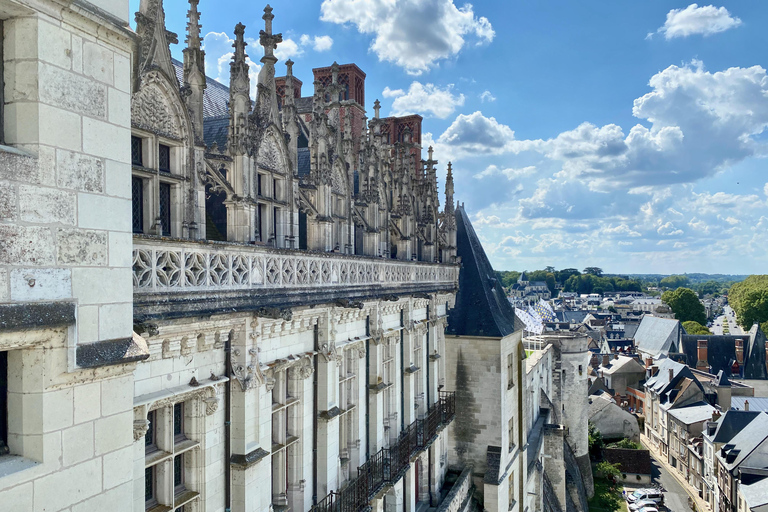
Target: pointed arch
[158, 107]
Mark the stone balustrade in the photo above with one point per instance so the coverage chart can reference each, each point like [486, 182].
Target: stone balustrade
[216, 269]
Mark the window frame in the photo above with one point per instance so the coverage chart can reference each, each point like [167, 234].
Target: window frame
[151, 428]
[164, 164]
[137, 142]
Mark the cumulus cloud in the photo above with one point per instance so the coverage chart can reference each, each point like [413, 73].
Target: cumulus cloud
[318, 43]
[510, 173]
[705, 20]
[424, 99]
[487, 96]
[218, 56]
[288, 49]
[476, 134]
[412, 35]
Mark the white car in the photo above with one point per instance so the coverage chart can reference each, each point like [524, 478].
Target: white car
[640, 504]
[649, 508]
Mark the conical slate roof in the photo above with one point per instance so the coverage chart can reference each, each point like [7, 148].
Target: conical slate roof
[482, 308]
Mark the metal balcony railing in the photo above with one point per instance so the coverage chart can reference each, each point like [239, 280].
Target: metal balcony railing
[388, 465]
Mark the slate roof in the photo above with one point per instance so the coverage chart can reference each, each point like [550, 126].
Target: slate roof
[631, 461]
[731, 423]
[721, 352]
[216, 129]
[215, 97]
[756, 403]
[746, 441]
[695, 413]
[482, 308]
[573, 317]
[661, 382]
[623, 364]
[756, 495]
[658, 336]
[304, 167]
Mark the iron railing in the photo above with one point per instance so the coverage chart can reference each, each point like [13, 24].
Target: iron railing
[388, 465]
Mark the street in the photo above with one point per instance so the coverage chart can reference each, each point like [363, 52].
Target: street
[675, 497]
[730, 315]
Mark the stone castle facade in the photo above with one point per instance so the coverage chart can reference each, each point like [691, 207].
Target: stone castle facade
[211, 301]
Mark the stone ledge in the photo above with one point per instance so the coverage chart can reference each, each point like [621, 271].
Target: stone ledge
[36, 315]
[249, 459]
[112, 352]
[329, 414]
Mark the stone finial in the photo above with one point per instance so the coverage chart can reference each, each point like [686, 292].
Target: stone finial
[376, 108]
[289, 66]
[193, 26]
[335, 72]
[239, 44]
[430, 151]
[267, 39]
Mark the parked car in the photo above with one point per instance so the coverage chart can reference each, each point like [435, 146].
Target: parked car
[648, 509]
[640, 504]
[653, 495]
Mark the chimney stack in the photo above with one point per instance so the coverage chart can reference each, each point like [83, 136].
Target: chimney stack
[606, 359]
[746, 405]
[703, 362]
[671, 374]
[740, 351]
[649, 361]
[654, 370]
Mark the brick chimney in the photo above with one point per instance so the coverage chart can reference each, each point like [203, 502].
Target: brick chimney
[671, 374]
[606, 359]
[746, 405]
[654, 370]
[740, 351]
[649, 360]
[701, 350]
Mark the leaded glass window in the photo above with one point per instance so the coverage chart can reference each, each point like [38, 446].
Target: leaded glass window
[178, 473]
[137, 199]
[3, 403]
[149, 484]
[165, 208]
[178, 421]
[137, 158]
[164, 158]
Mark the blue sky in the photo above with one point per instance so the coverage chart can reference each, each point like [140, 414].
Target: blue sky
[625, 135]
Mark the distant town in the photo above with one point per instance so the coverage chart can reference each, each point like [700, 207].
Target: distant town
[678, 373]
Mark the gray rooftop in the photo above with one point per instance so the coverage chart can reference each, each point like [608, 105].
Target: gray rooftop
[696, 413]
[749, 439]
[658, 336]
[756, 403]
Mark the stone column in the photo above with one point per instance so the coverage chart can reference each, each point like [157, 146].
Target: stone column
[327, 406]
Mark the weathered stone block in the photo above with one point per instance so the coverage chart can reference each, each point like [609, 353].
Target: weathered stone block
[22, 123]
[101, 285]
[98, 62]
[119, 107]
[118, 179]
[21, 81]
[46, 205]
[54, 45]
[58, 409]
[78, 443]
[31, 284]
[120, 245]
[17, 166]
[116, 320]
[4, 290]
[106, 140]
[92, 208]
[115, 464]
[8, 201]
[122, 72]
[57, 127]
[26, 245]
[87, 401]
[80, 172]
[64, 89]
[21, 37]
[87, 324]
[58, 491]
[114, 432]
[82, 247]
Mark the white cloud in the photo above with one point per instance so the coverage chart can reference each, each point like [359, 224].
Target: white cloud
[704, 20]
[510, 173]
[476, 134]
[318, 43]
[668, 229]
[424, 99]
[288, 49]
[218, 56]
[412, 35]
[487, 96]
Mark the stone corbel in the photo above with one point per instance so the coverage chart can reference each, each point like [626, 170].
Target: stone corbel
[140, 428]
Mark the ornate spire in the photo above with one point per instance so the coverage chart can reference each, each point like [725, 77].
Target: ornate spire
[449, 190]
[193, 26]
[239, 45]
[268, 40]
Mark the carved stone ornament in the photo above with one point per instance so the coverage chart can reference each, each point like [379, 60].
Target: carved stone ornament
[329, 353]
[140, 428]
[361, 351]
[211, 405]
[150, 111]
[306, 368]
[269, 156]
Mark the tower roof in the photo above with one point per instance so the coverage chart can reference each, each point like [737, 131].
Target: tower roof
[482, 308]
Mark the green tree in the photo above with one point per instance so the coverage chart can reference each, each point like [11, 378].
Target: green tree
[626, 444]
[595, 271]
[685, 304]
[608, 471]
[563, 275]
[673, 282]
[550, 279]
[595, 440]
[692, 327]
[749, 299]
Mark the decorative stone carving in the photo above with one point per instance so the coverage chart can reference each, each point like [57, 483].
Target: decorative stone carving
[140, 428]
[150, 111]
[328, 352]
[211, 405]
